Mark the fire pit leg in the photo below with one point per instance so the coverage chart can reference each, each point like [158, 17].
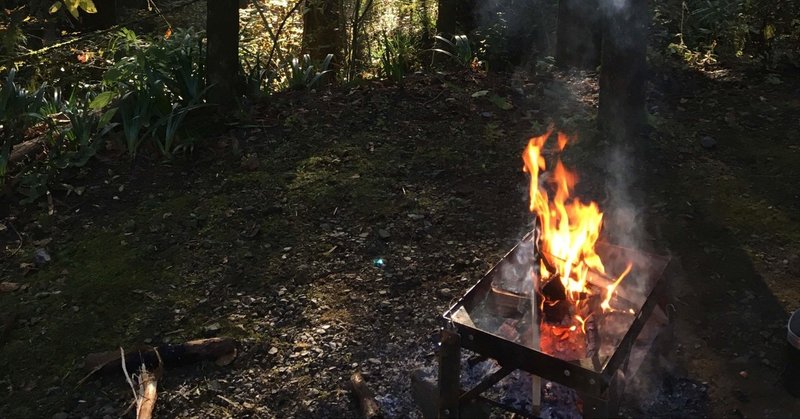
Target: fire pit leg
[449, 374]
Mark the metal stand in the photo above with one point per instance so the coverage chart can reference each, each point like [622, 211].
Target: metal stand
[452, 399]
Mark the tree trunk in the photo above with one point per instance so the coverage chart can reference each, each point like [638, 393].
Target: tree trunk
[222, 58]
[446, 18]
[105, 17]
[321, 30]
[455, 17]
[578, 34]
[623, 76]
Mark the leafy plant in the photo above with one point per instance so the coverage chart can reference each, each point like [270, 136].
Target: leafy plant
[398, 55]
[76, 130]
[460, 49]
[18, 108]
[88, 127]
[159, 82]
[304, 74]
[135, 109]
[72, 6]
[255, 78]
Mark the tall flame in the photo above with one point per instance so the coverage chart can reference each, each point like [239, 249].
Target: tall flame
[569, 228]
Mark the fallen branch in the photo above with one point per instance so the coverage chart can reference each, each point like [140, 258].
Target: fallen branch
[25, 149]
[220, 350]
[369, 406]
[147, 394]
[145, 399]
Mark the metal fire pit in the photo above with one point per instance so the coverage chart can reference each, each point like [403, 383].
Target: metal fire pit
[477, 320]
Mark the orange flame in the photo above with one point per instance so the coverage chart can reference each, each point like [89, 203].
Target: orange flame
[611, 288]
[569, 229]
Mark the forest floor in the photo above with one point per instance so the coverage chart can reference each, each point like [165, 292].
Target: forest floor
[275, 246]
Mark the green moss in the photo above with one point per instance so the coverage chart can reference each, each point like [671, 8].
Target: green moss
[96, 309]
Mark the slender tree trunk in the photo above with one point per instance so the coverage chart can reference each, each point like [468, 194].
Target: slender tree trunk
[446, 18]
[321, 30]
[578, 34]
[623, 74]
[455, 17]
[422, 14]
[223, 52]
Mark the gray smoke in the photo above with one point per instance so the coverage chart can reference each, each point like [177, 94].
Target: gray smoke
[624, 216]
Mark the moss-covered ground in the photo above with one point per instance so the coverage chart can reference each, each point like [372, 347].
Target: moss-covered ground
[279, 253]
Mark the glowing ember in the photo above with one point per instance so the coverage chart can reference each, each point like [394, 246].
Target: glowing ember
[569, 229]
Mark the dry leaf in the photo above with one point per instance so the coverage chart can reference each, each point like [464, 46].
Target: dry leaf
[8, 286]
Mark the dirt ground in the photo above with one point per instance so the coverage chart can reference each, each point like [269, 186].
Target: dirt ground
[271, 236]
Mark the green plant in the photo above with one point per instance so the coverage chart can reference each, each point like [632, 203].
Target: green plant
[77, 127]
[398, 55]
[159, 82]
[18, 108]
[73, 6]
[256, 78]
[135, 109]
[304, 74]
[460, 49]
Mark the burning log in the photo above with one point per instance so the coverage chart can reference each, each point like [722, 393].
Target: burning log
[366, 398]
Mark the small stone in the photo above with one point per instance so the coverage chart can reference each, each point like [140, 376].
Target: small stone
[273, 350]
[708, 142]
[444, 293]
[129, 226]
[375, 361]
[213, 327]
[384, 234]
[251, 162]
[743, 374]
[41, 257]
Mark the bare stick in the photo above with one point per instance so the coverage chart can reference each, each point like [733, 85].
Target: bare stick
[147, 401]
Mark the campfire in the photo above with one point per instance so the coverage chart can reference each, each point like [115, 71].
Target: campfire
[566, 234]
[562, 305]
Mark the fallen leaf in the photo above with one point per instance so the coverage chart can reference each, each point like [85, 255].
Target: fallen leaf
[8, 286]
[501, 102]
[480, 93]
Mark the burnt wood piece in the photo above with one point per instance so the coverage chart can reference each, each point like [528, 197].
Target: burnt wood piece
[449, 374]
[172, 355]
[508, 304]
[556, 307]
[366, 398]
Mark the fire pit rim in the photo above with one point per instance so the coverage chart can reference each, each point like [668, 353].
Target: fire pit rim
[589, 381]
